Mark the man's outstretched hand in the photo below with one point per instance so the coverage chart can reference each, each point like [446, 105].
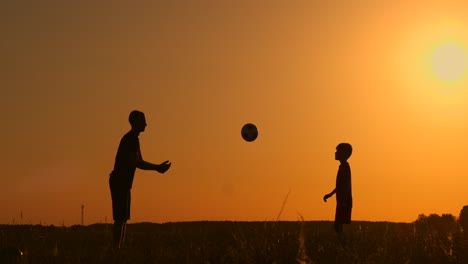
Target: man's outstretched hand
[163, 167]
[326, 197]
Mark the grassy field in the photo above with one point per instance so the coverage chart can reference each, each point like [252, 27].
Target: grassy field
[238, 242]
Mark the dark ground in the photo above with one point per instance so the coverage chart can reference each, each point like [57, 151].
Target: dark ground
[237, 242]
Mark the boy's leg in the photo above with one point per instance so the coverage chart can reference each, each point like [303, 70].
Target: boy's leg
[338, 227]
[340, 233]
[342, 216]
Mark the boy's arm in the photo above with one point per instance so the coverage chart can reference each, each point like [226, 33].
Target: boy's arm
[329, 195]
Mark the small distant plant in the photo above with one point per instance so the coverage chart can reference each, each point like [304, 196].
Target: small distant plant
[463, 219]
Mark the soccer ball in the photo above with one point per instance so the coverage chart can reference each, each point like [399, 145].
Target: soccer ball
[249, 132]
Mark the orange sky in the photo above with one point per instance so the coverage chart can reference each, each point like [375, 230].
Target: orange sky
[309, 75]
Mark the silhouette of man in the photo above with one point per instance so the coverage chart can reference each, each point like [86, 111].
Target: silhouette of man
[344, 198]
[128, 158]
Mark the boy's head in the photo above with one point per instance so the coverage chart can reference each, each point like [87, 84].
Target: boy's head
[137, 120]
[343, 151]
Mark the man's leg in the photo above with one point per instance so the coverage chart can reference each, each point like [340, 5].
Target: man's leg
[119, 233]
[126, 214]
[121, 213]
[122, 234]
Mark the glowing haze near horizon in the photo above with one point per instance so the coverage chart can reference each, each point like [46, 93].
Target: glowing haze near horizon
[308, 74]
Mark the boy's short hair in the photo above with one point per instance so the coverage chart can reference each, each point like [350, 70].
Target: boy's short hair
[134, 115]
[346, 148]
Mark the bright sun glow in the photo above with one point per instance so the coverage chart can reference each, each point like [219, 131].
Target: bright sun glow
[449, 62]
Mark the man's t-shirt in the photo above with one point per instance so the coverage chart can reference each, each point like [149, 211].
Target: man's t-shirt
[124, 170]
[343, 186]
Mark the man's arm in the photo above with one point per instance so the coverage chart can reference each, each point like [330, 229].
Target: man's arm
[137, 159]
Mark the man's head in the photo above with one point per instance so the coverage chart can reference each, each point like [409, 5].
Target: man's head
[137, 121]
[343, 151]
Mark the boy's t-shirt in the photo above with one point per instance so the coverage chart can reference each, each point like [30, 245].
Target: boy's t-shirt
[343, 186]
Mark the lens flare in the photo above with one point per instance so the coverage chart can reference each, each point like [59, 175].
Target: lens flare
[449, 62]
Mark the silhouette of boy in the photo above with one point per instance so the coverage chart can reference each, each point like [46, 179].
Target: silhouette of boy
[128, 158]
[344, 198]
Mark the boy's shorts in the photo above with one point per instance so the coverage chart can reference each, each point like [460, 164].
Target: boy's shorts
[343, 215]
[120, 201]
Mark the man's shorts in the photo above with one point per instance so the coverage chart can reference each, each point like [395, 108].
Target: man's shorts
[343, 215]
[120, 201]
